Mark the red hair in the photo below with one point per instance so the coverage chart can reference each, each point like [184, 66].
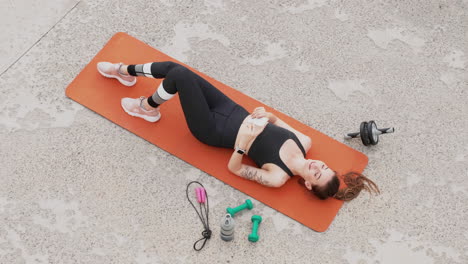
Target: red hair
[355, 183]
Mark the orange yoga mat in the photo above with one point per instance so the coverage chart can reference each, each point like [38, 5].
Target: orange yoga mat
[171, 133]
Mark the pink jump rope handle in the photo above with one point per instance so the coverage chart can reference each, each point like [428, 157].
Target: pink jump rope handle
[197, 191]
[201, 195]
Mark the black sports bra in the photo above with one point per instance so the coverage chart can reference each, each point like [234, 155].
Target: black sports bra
[266, 147]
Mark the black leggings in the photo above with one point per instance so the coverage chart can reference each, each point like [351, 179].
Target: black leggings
[212, 117]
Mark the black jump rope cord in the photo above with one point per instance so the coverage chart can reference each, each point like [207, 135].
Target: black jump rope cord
[204, 218]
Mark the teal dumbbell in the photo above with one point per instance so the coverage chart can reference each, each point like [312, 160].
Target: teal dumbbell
[256, 220]
[232, 211]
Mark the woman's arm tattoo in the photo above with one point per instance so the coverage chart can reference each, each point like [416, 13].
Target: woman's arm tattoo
[254, 175]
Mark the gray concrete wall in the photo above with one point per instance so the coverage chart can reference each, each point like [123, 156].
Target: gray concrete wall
[75, 188]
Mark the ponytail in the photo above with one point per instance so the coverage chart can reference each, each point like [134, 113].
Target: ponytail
[355, 183]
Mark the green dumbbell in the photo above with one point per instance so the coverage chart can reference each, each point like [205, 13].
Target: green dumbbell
[248, 204]
[256, 220]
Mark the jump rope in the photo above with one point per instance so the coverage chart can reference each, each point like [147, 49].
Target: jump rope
[202, 199]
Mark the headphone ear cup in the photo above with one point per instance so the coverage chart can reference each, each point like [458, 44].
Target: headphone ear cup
[364, 132]
[372, 130]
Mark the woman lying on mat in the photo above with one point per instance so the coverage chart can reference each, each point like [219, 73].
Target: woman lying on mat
[278, 149]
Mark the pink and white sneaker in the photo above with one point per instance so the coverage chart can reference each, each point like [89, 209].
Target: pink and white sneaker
[134, 107]
[110, 70]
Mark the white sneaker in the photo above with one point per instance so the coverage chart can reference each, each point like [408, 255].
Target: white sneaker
[110, 70]
[133, 107]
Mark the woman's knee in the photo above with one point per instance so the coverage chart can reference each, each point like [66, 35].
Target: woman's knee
[171, 65]
[178, 72]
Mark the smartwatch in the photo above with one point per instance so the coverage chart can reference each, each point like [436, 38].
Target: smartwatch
[240, 151]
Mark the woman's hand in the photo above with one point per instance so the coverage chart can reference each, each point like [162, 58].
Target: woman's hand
[248, 132]
[260, 112]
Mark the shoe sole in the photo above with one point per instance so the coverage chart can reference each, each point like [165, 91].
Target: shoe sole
[122, 81]
[147, 118]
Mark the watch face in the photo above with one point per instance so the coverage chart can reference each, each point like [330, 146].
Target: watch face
[240, 151]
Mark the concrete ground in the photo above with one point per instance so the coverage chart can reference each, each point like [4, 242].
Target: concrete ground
[75, 188]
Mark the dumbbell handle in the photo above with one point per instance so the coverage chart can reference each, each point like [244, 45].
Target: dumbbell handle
[253, 237]
[381, 131]
[255, 227]
[235, 210]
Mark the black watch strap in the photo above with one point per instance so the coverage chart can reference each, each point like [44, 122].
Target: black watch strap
[240, 151]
